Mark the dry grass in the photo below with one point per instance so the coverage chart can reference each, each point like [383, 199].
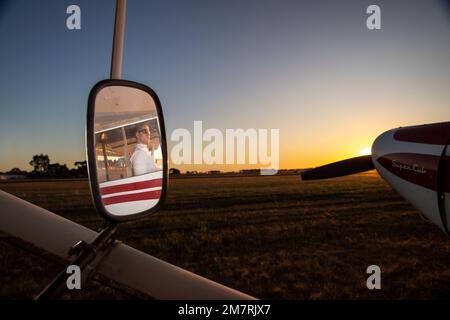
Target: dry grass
[271, 237]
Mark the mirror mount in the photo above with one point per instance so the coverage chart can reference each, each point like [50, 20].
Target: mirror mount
[87, 258]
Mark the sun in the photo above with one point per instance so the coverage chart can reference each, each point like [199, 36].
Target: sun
[365, 151]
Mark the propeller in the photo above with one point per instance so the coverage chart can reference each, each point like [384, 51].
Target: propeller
[340, 168]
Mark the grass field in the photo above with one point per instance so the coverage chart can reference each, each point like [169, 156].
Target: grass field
[271, 237]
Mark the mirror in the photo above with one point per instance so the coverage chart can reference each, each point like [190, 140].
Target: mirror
[126, 150]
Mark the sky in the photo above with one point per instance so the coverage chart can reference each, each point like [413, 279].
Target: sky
[311, 69]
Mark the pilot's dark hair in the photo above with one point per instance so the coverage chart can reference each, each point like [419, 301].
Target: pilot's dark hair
[144, 125]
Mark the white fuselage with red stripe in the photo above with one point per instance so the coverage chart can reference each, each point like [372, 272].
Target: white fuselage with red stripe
[415, 161]
[132, 195]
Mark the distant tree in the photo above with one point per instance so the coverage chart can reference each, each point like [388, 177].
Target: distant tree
[40, 163]
[16, 171]
[79, 164]
[81, 170]
[58, 171]
[173, 171]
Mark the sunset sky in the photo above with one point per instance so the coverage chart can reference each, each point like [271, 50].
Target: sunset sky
[311, 69]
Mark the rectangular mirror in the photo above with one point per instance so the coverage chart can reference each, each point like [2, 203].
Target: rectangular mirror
[127, 157]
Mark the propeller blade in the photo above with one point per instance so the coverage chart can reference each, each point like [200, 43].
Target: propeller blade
[340, 168]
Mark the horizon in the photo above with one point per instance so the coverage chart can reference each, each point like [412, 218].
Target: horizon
[310, 69]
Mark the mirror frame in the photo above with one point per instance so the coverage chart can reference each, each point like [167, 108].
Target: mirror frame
[90, 150]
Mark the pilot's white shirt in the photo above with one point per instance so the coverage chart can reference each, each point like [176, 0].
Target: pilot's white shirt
[141, 160]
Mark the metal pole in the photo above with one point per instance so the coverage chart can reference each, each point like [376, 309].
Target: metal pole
[119, 31]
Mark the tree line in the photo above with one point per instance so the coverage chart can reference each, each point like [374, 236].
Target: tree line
[42, 168]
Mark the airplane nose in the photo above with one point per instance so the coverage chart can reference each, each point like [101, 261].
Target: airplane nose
[382, 145]
[410, 160]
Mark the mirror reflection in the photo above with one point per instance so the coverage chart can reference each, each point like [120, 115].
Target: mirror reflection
[128, 150]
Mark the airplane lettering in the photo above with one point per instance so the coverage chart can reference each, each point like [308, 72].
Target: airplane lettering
[403, 166]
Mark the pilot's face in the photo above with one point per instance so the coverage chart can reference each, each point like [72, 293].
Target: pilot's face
[143, 135]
